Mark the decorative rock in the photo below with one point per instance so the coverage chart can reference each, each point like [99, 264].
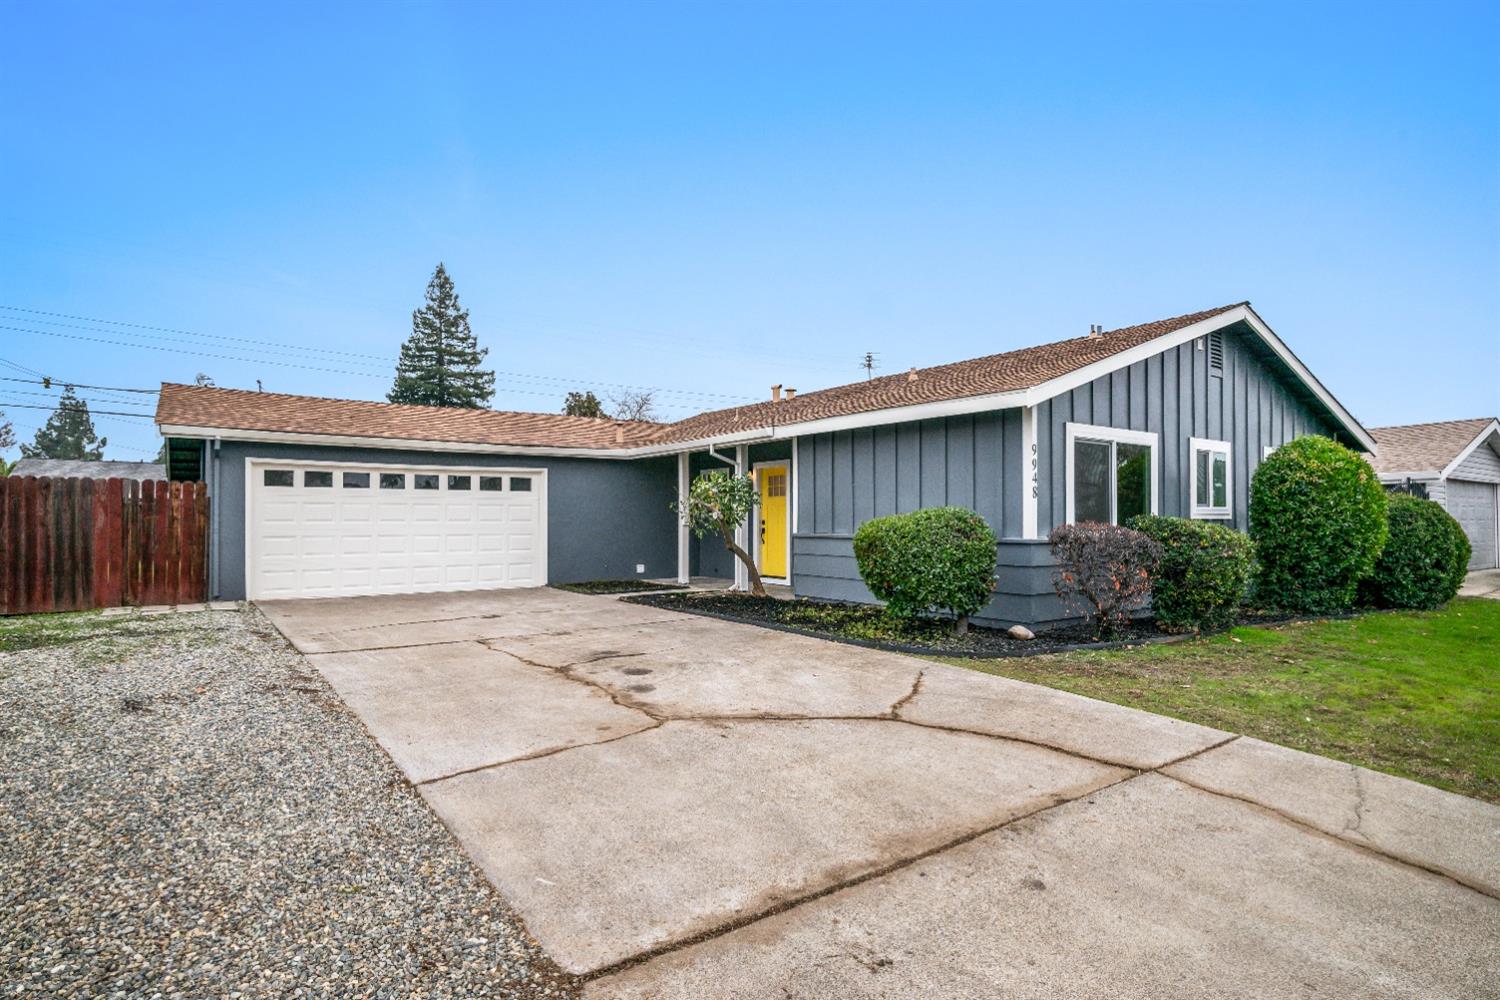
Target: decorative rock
[1020, 632]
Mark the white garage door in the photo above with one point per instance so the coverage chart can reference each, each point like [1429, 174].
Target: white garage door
[1473, 506]
[323, 530]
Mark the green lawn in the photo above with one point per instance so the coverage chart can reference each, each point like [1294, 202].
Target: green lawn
[1412, 693]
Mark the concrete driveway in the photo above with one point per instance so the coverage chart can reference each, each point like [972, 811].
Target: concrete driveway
[682, 807]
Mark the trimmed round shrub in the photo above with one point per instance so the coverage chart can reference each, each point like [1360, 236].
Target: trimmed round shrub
[1201, 578]
[1318, 520]
[1422, 563]
[1463, 551]
[941, 559]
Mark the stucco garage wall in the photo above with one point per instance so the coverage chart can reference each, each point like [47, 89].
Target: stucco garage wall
[603, 516]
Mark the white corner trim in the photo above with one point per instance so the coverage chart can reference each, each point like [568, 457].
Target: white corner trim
[1207, 511]
[1473, 446]
[793, 519]
[684, 540]
[1030, 482]
[1113, 435]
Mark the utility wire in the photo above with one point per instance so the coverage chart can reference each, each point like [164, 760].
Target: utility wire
[111, 413]
[731, 397]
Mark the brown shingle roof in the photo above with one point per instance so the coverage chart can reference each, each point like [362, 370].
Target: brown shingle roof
[210, 407]
[1011, 371]
[238, 409]
[1424, 447]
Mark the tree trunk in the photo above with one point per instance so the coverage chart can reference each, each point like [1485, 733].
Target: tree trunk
[756, 587]
[961, 625]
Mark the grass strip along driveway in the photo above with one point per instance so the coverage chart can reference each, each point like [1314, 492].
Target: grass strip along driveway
[1415, 694]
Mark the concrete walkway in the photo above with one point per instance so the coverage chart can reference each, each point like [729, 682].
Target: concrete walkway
[683, 807]
[1481, 583]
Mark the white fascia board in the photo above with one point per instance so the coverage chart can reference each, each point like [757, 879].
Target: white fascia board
[873, 418]
[1354, 427]
[1151, 348]
[1473, 446]
[1396, 477]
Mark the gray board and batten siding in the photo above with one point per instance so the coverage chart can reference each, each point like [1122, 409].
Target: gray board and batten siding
[604, 517]
[976, 461]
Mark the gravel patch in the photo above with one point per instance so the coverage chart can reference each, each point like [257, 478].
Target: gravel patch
[187, 810]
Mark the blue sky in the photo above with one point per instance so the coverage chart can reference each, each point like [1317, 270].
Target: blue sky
[709, 199]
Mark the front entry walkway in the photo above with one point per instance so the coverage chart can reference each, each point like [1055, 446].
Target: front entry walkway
[683, 807]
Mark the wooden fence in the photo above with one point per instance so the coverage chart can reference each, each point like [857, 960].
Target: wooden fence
[73, 544]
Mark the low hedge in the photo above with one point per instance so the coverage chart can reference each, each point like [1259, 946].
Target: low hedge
[941, 559]
[1318, 520]
[1201, 578]
[1424, 559]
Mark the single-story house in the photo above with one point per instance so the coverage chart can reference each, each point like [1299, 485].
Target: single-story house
[78, 468]
[1457, 464]
[322, 497]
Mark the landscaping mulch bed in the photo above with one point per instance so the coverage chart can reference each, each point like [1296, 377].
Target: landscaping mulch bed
[613, 587]
[868, 625]
[187, 810]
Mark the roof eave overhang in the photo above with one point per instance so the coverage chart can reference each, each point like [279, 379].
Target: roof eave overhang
[872, 418]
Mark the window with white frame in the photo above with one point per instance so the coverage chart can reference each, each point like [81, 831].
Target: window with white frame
[1210, 472]
[1111, 473]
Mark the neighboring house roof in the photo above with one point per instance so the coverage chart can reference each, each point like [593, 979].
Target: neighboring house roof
[1426, 448]
[1014, 378]
[239, 409]
[71, 468]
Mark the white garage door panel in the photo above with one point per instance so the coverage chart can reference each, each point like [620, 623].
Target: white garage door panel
[1473, 505]
[347, 540]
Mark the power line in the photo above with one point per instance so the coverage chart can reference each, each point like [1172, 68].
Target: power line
[730, 397]
[111, 413]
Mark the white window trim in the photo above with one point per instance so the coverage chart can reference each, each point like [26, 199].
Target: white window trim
[1113, 435]
[1207, 511]
[1266, 449]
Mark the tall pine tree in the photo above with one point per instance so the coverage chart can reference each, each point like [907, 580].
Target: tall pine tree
[439, 363]
[69, 432]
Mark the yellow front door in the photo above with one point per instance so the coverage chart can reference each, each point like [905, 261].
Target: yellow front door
[773, 493]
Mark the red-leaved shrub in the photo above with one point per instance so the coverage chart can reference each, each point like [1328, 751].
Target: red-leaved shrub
[1103, 571]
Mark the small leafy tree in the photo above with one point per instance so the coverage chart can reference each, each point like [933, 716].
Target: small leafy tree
[720, 502]
[939, 559]
[439, 363]
[69, 432]
[583, 404]
[7, 434]
[1103, 571]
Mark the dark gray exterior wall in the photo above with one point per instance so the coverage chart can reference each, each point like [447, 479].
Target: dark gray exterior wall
[603, 515]
[1253, 404]
[847, 478]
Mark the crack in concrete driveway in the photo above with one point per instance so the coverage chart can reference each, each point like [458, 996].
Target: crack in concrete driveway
[648, 791]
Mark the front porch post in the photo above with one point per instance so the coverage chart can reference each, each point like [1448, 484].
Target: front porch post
[742, 534]
[1030, 485]
[683, 538]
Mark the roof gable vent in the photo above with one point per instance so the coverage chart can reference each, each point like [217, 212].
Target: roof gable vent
[1216, 353]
